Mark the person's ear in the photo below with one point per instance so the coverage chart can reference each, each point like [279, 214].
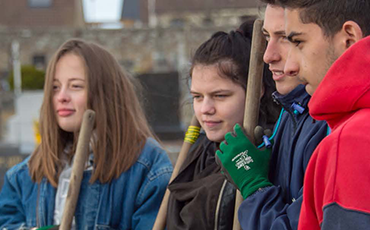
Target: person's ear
[352, 32]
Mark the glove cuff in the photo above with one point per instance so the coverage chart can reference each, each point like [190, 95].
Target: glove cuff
[251, 187]
[50, 227]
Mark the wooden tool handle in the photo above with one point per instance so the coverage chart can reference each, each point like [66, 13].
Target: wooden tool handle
[160, 222]
[253, 94]
[78, 167]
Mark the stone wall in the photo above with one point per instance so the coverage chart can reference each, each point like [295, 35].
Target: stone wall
[139, 50]
[220, 17]
[21, 13]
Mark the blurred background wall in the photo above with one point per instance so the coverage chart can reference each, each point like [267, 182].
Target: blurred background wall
[152, 39]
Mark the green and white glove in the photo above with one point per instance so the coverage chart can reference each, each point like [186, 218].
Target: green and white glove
[243, 163]
[50, 227]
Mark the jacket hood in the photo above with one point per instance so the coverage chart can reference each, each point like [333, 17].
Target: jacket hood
[346, 86]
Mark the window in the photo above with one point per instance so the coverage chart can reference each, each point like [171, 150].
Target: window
[39, 62]
[40, 3]
[207, 21]
[177, 22]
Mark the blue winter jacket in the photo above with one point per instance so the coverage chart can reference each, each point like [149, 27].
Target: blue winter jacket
[128, 202]
[278, 206]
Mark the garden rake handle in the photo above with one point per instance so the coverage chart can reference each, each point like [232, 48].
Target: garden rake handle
[160, 222]
[78, 167]
[253, 94]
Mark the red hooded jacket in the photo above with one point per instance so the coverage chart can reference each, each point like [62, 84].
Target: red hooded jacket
[337, 182]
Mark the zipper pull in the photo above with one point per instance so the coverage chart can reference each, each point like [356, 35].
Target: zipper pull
[266, 141]
[297, 108]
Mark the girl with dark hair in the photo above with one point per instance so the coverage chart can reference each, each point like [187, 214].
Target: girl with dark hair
[200, 196]
[127, 172]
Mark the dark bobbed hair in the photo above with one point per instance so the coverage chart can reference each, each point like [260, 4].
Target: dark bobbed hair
[270, 2]
[230, 52]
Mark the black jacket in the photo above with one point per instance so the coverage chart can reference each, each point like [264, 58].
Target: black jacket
[200, 196]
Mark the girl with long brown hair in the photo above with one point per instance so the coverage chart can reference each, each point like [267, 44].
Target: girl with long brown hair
[127, 171]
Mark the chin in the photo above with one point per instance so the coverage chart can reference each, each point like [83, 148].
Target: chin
[282, 90]
[215, 138]
[310, 90]
[68, 128]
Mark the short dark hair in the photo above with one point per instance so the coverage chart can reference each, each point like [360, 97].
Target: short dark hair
[330, 15]
[270, 2]
[230, 52]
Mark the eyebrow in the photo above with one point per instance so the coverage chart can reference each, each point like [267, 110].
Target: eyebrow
[71, 79]
[77, 79]
[214, 92]
[292, 34]
[279, 32]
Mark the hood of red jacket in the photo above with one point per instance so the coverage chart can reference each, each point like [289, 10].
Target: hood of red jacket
[346, 87]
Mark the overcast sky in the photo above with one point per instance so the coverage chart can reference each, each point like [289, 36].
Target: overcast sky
[102, 10]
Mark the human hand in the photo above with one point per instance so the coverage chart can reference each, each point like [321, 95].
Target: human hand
[243, 164]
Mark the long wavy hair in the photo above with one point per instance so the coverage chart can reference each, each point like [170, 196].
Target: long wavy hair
[120, 130]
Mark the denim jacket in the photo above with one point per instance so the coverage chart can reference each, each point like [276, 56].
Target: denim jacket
[128, 202]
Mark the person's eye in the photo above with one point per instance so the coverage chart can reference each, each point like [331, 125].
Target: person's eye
[267, 37]
[197, 97]
[77, 86]
[221, 95]
[55, 87]
[297, 42]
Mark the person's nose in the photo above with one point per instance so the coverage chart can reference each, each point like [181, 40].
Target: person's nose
[291, 67]
[272, 53]
[63, 95]
[208, 106]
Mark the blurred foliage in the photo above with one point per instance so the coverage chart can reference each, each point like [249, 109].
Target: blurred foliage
[36, 130]
[32, 78]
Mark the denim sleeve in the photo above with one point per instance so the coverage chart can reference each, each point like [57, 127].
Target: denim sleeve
[266, 209]
[12, 214]
[151, 194]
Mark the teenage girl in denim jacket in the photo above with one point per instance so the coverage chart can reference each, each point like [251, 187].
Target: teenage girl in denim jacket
[127, 172]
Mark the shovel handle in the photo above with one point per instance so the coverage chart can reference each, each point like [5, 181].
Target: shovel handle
[160, 222]
[253, 94]
[78, 167]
